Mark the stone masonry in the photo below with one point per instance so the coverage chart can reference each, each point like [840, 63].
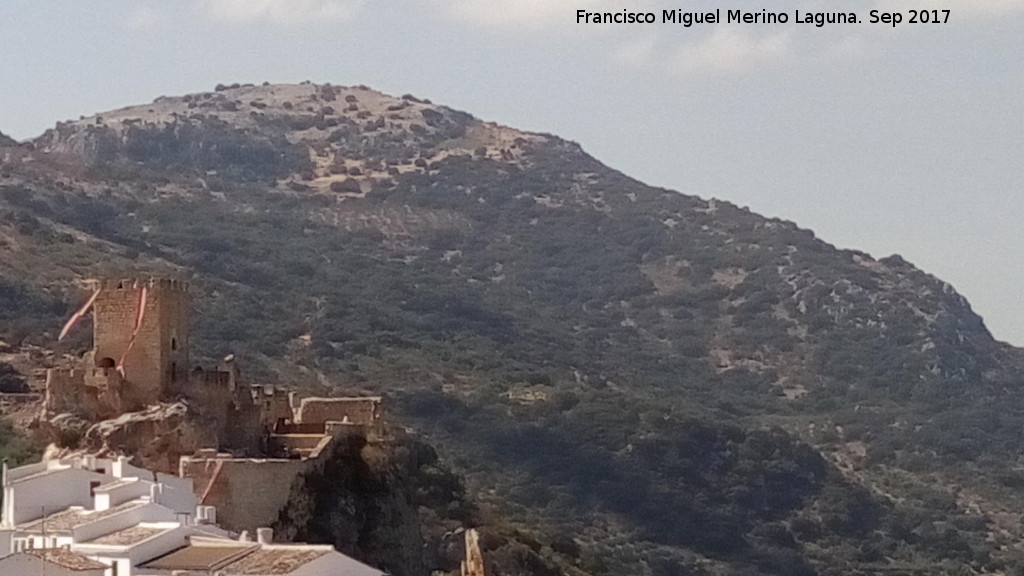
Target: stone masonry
[259, 439]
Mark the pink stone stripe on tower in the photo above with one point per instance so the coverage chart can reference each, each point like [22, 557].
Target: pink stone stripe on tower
[138, 324]
[77, 316]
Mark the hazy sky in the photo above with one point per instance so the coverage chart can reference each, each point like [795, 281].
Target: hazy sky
[906, 139]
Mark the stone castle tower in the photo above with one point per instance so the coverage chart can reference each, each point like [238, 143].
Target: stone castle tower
[153, 351]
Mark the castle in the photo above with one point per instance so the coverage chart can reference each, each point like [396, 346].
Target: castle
[256, 439]
[140, 352]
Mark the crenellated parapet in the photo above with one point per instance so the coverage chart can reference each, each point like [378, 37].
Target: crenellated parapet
[141, 325]
[136, 283]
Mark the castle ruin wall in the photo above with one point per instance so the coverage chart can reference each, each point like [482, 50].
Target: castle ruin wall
[360, 411]
[249, 493]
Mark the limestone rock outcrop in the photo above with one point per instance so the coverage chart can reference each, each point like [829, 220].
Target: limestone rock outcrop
[157, 436]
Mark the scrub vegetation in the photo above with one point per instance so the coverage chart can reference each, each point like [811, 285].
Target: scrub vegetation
[630, 380]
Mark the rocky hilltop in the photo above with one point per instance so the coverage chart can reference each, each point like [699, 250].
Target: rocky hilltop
[632, 380]
[303, 135]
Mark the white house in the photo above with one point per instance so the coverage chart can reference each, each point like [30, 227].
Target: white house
[105, 509]
[87, 516]
[219, 557]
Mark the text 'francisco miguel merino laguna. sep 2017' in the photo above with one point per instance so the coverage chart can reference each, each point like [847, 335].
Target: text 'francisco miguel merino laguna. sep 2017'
[719, 16]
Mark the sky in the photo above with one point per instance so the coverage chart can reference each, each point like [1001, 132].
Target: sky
[905, 139]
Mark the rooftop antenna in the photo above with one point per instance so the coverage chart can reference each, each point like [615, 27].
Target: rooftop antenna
[42, 565]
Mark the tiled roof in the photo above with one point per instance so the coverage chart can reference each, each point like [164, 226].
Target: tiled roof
[127, 537]
[233, 558]
[274, 560]
[198, 557]
[63, 557]
[72, 517]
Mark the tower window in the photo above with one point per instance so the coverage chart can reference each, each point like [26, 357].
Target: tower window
[174, 343]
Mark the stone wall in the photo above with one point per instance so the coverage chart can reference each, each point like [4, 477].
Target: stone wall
[92, 393]
[249, 493]
[65, 391]
[361, 411]
[160, 352]
[274, 403]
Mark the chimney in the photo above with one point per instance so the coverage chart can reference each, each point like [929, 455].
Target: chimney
[206, 515]
[265, 535]
[155, 491]
[118, 466]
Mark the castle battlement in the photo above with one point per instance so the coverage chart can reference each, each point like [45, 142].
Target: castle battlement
[155, 284]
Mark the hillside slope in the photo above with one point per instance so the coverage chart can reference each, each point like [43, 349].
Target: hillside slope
[652, 383]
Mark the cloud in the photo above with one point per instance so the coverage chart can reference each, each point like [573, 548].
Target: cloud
[663, 48]
[850, 48]
[729, 49]
[718, 49]
[958, 8]
[287, 12]
[141, 18]
[726, 50]
[636, 53]
[528, 14]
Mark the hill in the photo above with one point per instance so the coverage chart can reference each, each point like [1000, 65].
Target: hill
[636, 380]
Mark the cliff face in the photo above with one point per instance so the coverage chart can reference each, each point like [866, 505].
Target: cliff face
[675, 383]
[378, 500]
[391, 502]
[385, 498]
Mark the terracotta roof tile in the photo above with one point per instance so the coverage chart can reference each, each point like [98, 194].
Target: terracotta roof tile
[63, 557]
[270, 561]
[198, 557]
[72, 517]
[127, 537]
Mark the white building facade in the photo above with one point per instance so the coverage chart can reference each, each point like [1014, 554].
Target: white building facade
[91, 516]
